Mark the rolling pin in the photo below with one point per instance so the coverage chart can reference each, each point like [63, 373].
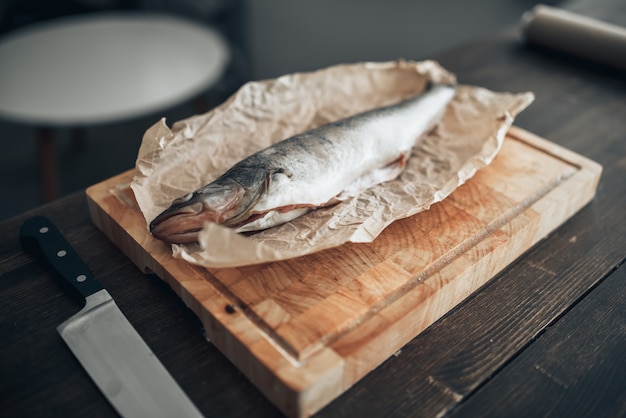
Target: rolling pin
[576, 35]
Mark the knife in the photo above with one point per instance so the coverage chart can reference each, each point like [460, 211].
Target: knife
[106, 344]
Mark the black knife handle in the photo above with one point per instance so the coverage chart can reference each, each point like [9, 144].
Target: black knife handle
[42, 239]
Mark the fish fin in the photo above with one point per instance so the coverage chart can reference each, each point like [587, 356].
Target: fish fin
[271, 218]
[374, 177]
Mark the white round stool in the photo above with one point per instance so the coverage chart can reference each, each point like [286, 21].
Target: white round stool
[101, 68]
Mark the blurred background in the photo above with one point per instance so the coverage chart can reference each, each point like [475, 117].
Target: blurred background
[266, 39]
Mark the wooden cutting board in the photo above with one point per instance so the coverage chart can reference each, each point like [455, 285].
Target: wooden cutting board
[305, 330]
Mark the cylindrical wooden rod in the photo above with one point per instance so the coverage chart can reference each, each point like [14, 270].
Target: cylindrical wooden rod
[576, 35]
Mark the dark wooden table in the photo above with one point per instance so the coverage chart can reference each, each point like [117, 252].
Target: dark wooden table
[546, 337]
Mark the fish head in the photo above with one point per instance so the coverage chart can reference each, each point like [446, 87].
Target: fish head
[222, 202]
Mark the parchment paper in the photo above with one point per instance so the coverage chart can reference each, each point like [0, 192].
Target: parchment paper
[173, 162]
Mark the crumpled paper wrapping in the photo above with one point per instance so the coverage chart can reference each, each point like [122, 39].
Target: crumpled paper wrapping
[173, 162]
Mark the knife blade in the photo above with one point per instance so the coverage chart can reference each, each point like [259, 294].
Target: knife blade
[112, 352]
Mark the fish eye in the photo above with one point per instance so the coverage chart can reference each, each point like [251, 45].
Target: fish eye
[283, 171]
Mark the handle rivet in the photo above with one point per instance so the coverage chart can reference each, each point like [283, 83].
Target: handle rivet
[43, 229]
[62, 253]
[81, 278]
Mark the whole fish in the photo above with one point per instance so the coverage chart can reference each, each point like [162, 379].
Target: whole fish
[314, 169]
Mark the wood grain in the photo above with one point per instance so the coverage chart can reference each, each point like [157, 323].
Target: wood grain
[305, 330]
[576, 369]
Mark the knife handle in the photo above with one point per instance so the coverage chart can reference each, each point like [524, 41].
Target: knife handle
[41, 238]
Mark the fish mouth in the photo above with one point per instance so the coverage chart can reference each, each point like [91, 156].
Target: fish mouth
[226, 203]
[180, 225]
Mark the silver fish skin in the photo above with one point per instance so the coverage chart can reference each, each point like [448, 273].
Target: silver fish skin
[317, 168]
